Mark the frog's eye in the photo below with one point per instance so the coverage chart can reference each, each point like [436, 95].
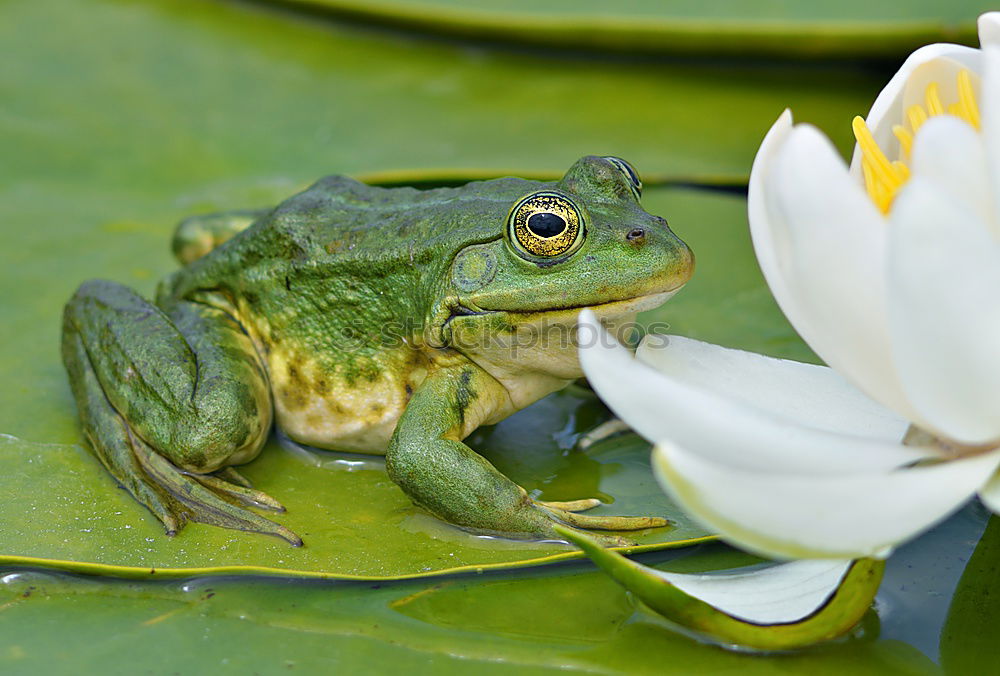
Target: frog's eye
[631, 175]
[545, 224]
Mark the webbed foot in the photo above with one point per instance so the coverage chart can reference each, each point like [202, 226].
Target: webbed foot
[566, 514]
[158, 392]
[208, 498]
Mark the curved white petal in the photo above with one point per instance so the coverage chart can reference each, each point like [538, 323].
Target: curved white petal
[659, 407]
[944, 285]
[933, 63]
[989, 112]
[767, 229]
[818, 515]
[950, 153]
[778, 594]
[812, 396]
[834, 263]
[989, 29]
[800, 197]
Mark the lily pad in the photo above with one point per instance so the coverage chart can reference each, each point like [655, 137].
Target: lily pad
[794, 28]
[61, 510]
[556, 620]
[966, 647]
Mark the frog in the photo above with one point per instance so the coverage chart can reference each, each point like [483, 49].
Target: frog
[367, 319]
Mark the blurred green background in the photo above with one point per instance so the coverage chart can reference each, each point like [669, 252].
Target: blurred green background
[118, 118]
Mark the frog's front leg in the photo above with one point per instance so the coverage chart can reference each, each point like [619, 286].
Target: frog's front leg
[169, 399]
[427, 459]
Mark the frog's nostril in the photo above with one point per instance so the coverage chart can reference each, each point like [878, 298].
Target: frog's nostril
[636, 235]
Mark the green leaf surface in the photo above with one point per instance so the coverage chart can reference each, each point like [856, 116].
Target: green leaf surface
[60, 509]
[554, 620]
[968, 640]
[784, 28]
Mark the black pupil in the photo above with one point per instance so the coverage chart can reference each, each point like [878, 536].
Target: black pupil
[546, 224]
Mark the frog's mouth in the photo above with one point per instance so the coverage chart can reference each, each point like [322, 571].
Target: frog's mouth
[609, 310]
[480, 330]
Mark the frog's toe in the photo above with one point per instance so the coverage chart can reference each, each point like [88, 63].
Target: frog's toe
[605, 539]
[587, 521]
[572, 505]
[231, 482]
[232, 476]
[240, 491]
[209, 499]
[170, 513]
[605, 430]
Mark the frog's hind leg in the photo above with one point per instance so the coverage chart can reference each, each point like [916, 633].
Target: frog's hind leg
[168, 400]
[197, 235]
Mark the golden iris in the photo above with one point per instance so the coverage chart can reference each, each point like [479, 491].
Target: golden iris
[545, 224]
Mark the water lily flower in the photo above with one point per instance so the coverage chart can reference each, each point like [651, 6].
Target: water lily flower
[890, 270]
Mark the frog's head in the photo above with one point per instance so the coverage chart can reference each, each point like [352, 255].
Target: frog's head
[581, 242]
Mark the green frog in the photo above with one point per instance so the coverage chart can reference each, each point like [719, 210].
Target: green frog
[377, 320]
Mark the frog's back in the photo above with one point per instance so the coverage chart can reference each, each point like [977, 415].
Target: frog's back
[330, 280]
[348, 228]
[357, 220]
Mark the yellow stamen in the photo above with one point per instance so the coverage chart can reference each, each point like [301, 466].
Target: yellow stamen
[905, 138]
[933, 100]
[871, 185]
[902, 170]
[884, 175]
[916, 116]
[875, 188]
[884, 178]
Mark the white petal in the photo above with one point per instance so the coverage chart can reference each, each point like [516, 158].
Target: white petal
[949, 152]
[932, 63]
[811, 396]
[768, 229]
[834, 263]
[944, 284]
[989, 29]
[778, 594]
[659, 407]
[775, 231]
[989, 111]
[798, 515]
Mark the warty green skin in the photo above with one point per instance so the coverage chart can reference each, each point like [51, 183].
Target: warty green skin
[364, 319]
